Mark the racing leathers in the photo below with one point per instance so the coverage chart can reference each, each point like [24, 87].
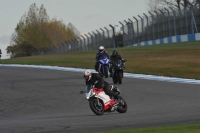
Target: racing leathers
[98, 55]
[114, 58]
[98, 81]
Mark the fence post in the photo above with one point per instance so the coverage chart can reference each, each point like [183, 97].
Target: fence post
[174, 20]
[132, 30]
[180, 16]
[95, 39]
[168, 21]
[87, 42]
[108, 36]
[113, 37]
[157, 25]
[129, 38]
[142, 27]
[162, 22]
[147, 27]
[66, 46]
[79, 44]
[123, 32]
[84, 42]
[70, 45]
[185, 16]
[103, 39]
[99, 38]
[193, 19]
[137, 28]
[92, 41]
[153, 32]
[74, 43]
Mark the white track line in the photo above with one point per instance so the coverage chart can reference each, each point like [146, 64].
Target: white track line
[129, 75]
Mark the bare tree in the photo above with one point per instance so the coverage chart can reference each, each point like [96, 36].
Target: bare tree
[160, 4]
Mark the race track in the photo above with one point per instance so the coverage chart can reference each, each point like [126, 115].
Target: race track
[48, 101]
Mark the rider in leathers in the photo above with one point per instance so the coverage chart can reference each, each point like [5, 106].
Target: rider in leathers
[97, 80]
[114, 56]
[100, 53]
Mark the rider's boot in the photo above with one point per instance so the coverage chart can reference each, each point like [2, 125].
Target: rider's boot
[114, 107]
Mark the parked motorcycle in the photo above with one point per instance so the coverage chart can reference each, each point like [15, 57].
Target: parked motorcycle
[103, 66]
[117, 70]
[99, 102]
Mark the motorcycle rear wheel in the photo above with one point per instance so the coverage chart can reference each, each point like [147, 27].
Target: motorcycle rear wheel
[97, 108]
[122, 107]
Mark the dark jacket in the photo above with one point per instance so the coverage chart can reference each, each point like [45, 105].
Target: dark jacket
[98, 55]
[96, 80]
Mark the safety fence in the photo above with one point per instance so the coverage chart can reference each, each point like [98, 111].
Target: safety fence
[87, 42]
[160, 24]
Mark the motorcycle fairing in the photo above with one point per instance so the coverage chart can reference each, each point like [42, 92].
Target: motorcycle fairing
[104, 60]
[99, 93]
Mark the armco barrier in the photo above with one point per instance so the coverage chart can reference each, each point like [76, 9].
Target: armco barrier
[172, 39]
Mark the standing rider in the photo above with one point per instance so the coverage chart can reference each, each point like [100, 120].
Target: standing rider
[114, 56]
[95, 79]
[100, 53]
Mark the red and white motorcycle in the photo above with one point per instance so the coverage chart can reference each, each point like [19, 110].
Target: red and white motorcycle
[100, 102]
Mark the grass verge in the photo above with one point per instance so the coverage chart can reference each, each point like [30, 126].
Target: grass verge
[174, 60]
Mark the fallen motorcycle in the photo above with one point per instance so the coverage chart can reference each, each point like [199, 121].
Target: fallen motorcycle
[99, 102]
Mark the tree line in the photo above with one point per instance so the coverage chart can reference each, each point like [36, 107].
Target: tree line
[36, 32]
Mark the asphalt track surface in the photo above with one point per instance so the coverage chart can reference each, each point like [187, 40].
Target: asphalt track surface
[48, 101]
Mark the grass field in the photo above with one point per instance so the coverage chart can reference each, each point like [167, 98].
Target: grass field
[173, 60]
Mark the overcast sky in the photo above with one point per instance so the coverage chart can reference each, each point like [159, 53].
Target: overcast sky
[85, 15]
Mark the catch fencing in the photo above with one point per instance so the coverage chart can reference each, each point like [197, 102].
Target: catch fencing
[161, 24]
[154, 25]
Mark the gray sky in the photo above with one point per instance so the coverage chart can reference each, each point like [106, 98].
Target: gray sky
[85, 15]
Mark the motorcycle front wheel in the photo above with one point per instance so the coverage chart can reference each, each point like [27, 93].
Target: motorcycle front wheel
[120, 76]
[115, 79]
[106, 71]
[96, 107]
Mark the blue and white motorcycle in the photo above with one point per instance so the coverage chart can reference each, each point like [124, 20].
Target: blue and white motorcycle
[104, 63]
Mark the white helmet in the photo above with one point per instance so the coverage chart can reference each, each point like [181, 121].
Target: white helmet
[101, 49]
[87, 75]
